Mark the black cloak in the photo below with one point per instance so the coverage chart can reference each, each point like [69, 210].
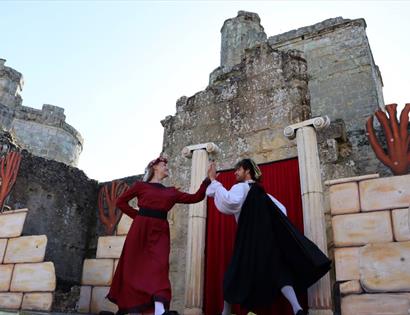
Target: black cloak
[269, 253]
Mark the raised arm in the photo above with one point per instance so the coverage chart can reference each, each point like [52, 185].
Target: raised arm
[228, 202]
[183, 197]
[126, 196]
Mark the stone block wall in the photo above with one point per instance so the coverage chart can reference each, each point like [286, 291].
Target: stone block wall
[63, 206]
[26, 281]
[371, 233]
[344, 81]
[342, 72]
[98, 272]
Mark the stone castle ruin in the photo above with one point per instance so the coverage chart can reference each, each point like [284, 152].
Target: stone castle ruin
[304, 94]
[264, 94]
[42, 132]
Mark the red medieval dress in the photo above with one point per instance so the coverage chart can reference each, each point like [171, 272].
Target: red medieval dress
[142, 274]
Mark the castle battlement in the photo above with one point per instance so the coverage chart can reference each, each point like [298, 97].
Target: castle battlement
[303, 33]
[43, 132]
[49, 115]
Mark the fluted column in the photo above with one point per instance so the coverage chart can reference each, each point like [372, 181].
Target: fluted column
[195, 264]
[319, 295]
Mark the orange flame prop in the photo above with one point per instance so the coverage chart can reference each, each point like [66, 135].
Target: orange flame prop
[107, 198]
[397, 157]
[9, 167]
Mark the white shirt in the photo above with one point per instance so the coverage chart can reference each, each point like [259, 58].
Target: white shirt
[230, 202]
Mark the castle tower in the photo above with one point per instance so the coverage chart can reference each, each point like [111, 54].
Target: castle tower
[238, 34]
[11, 85]
[42, 132]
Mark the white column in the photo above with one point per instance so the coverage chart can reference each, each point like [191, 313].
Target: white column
[319, 295]
[195, 264]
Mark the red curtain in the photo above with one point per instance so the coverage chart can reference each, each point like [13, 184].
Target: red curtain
[281, 180]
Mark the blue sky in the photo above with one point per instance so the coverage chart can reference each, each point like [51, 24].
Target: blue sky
[118, 67]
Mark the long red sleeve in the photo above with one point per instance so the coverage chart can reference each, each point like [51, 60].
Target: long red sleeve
[183, 197]
[126, 196]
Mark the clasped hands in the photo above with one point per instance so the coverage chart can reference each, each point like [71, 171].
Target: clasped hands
[212, 174]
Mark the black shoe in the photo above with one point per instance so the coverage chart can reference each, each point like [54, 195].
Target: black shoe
[106, 313]
[170, 313]
[301, 312]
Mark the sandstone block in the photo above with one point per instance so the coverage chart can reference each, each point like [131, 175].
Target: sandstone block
[115, 264]
[35, 277]
[110, 246]
[124, 225]
[10, 300]
[344, 198]
[350, 179]
[37, 301]
[401, 224]
[376, 304]
[97, 272]
[99, 302]
[12, 222]
[26, 249]
[347, 263]
[5, 277]
[362, 228]
[385, 193]
[85, 299]
[3, 244]
[351, 287]
[385, 267]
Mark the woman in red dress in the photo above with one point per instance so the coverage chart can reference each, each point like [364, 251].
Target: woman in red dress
[141, 280]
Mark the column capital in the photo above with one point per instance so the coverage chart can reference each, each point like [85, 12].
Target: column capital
[317, 122]
[210, 147]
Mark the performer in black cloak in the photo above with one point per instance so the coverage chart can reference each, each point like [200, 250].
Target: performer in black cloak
[270, 255]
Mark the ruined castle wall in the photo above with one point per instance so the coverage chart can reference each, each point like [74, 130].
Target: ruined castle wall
[244, 113]
[11, 84]
[6, 116]
[247, 32]
[42, 132]
[45, 133]
[62, 204]
[344, 82]
[258, 90]
[47, 141]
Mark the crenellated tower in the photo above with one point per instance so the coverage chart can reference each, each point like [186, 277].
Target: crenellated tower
[42, 132]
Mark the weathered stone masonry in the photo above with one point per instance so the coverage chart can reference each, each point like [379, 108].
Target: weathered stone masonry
[244, 113]
[42, 132]
[344, 81]
[62, 205]
[263, 85]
